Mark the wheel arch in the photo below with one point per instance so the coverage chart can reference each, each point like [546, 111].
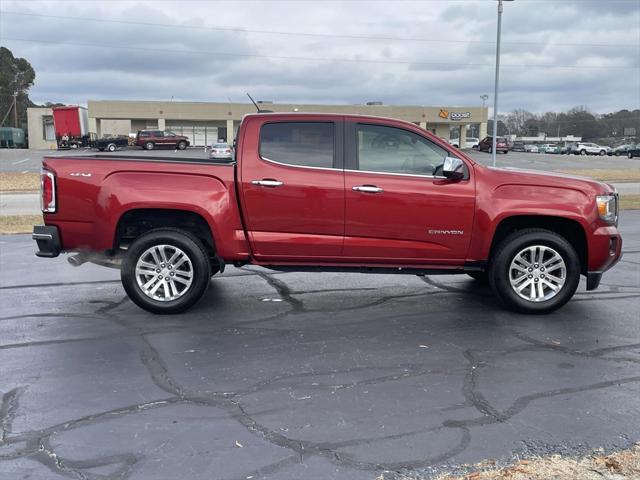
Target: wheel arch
[137, 221]
[568, 228]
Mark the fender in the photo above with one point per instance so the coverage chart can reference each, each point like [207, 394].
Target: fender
[204, 195]
[514, 199]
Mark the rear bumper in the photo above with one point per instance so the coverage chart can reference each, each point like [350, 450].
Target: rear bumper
[48, 240]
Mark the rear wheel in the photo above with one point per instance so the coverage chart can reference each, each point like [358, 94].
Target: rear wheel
[534, 271]
[630, 155]
[166, 271]
[149, 146]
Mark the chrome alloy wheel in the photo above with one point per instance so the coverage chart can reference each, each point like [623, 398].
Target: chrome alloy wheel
[164, 273]
[537, 273]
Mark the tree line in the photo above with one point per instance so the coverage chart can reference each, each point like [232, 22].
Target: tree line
[579, 122]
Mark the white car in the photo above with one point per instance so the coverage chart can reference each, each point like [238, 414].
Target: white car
[589, 149]
[471, 142]
[531, 148]
[220, 150]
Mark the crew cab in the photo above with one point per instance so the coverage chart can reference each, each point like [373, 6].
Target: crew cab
[325, 192]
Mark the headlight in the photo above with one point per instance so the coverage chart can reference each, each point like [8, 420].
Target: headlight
[608, 207]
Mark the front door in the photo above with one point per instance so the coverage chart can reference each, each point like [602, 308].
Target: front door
[293, 189]
[399, 209]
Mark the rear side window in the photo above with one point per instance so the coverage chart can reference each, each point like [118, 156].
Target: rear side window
[306, 144]
[144, 134]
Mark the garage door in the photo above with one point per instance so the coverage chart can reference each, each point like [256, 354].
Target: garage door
[198, 136]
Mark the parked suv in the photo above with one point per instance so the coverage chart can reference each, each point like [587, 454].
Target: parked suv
[589, 149]
[150, 139]
[486, 145]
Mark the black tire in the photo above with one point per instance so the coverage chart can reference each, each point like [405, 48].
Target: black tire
[603, 153]
[480, 277]
[111, 147]
[630, 155]
[617, 154]
[149, 146]
[101, 149]
[192, 248]
[182, 145]
[583, 152]
[509, 248]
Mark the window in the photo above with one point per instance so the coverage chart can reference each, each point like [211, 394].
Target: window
[307, 144]
[158, 133]
[393, 150]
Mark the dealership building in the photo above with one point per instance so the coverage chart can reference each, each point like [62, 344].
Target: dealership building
[205, 123]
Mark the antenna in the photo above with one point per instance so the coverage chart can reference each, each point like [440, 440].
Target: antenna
[256, 105]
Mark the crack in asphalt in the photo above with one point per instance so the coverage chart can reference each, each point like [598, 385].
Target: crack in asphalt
[37, 442]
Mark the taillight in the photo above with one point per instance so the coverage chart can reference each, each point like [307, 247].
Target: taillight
[47, 191]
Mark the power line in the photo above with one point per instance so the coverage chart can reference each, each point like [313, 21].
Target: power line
[312, 34]
[317, 59]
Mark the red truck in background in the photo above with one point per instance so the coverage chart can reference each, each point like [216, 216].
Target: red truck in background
[335, 193]
[71, 125]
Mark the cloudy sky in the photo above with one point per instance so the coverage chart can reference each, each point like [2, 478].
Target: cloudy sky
[557, 54]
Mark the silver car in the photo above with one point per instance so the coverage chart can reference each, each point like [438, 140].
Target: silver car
[220, 151]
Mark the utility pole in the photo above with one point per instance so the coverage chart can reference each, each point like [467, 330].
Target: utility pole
[497, 81]
[15, 109]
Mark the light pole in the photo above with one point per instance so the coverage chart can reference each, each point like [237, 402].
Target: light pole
[484, 98]
[495, 93]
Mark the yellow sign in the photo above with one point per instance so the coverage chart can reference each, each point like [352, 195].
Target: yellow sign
[443, 113]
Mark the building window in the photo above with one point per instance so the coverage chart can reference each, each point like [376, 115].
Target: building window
[48, 129]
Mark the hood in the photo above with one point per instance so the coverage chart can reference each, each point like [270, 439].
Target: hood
[516, 176]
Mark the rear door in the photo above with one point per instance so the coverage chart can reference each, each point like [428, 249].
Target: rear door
[399, 209]
[292, 183]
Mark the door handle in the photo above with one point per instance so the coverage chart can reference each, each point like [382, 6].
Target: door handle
[367, 189]
[267, 182]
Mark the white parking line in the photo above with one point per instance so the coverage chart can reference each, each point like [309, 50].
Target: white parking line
[21, 161]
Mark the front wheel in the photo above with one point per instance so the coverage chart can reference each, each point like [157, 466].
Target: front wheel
[602, 153]
[583, 152]
[182, 145]
[166, 271]
[534, 271]
[111, 147]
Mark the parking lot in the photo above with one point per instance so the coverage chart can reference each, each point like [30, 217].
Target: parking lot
[290, 375]
[31, 160]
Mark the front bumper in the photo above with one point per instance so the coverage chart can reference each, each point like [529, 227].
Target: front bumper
[48, 240]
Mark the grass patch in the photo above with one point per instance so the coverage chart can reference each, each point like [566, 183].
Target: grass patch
[596, 466]
[19, 182]
[607, 175]
[630, 202]
[19, 223]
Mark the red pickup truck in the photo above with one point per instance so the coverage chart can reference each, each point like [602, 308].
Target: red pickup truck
[326, 192]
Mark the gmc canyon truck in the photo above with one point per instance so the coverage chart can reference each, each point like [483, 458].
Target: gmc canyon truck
[322, 192]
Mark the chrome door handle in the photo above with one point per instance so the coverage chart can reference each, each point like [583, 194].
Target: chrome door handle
[267, 183]
[367, 189]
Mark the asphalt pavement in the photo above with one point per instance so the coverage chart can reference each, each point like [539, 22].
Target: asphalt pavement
[315, 376]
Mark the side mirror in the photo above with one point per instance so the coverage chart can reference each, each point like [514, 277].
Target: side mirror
[453, 168]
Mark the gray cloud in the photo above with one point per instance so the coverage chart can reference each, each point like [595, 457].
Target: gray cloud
[128, 61]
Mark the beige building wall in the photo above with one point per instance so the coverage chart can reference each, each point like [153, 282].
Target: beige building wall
[36, 129]
[114, 127]
[118, 117]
